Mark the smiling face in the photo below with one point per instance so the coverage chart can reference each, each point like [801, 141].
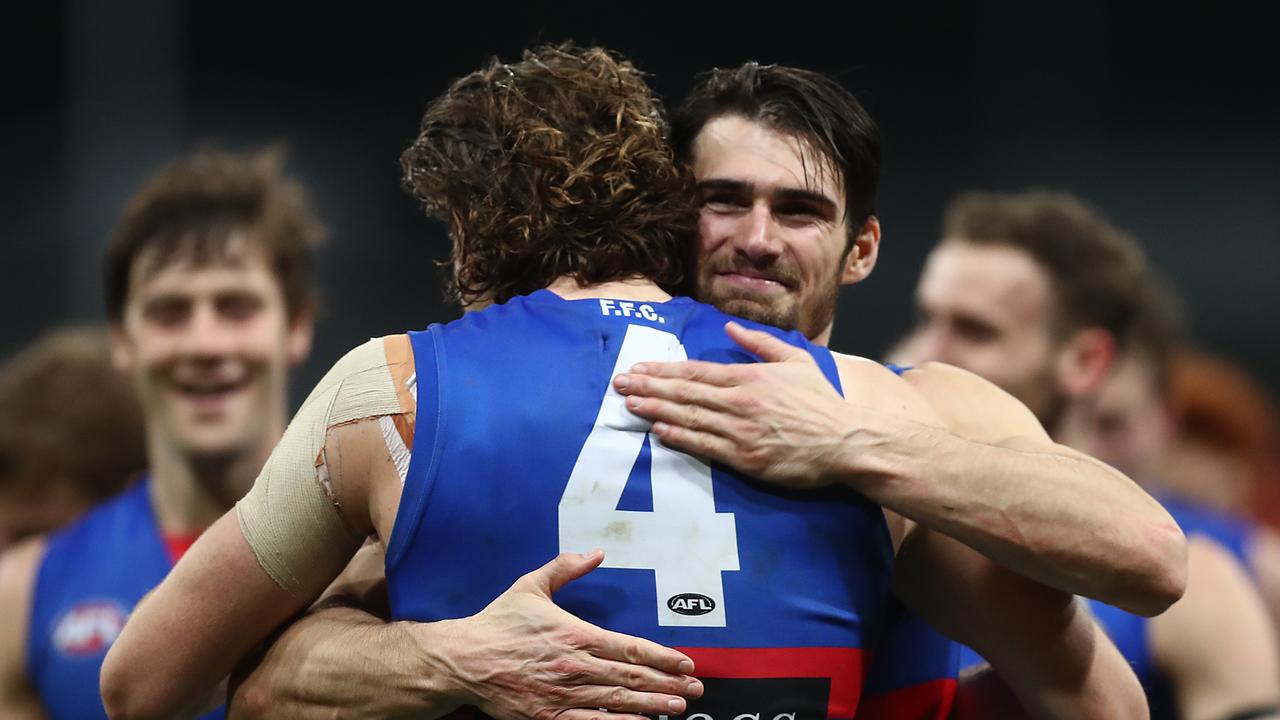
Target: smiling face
[989, 309]
[208, 348]
[773, 233]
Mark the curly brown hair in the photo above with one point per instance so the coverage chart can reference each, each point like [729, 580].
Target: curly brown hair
[192, 208]
[558, 165]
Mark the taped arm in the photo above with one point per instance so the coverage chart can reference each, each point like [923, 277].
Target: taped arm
[997, 482]
[1043, 643]
[307, 514]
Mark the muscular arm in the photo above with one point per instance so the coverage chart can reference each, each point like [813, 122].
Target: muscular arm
[18, 568]
[1040, 641]
[995, 480]
[944, 448]
[1217, 644]
[521, 657]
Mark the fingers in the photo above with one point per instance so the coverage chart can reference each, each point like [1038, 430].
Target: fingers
[691, 417]
[635, 651]
[768, 347]
[703, 444]
[685, 392]
[620, 699]
[711, 373]
[562, 569]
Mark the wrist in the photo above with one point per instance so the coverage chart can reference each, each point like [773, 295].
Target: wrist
[436, 669]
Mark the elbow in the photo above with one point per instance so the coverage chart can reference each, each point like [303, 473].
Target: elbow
[1160, 578]
[125, 696]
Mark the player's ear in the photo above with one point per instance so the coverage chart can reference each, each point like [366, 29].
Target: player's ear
[864, 250]
[1085, 360]
[123, 355]
[300, 334]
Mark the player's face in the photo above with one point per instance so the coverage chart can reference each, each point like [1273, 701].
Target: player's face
[772, 229]
[1126, 426]
[209, 348]
[989, 310]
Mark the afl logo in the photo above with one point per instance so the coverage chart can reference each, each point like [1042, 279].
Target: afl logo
[691, 604]
[89, 628]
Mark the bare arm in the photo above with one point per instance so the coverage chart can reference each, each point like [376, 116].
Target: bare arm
[1217, 644]
[18, 568]
[520, 658]
[1041, 642]
[945, 449]
[1266, 570]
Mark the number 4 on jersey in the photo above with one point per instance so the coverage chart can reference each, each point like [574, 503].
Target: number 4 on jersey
[684, 540]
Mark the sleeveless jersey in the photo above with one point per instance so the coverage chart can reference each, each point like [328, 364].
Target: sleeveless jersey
[522, 450]
[914, 675]
[92, 575]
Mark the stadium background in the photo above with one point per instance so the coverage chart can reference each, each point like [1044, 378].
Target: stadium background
[1167, 120]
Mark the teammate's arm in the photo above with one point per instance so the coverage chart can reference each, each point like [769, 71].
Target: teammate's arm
[19, 566]
[986, 474]
[1042, 642]
[225, 596]
[520, 658]
[1217, 644]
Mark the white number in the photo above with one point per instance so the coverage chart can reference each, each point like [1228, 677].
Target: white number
[684, 540]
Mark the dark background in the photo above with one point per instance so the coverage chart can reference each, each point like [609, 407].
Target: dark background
[1167, 120]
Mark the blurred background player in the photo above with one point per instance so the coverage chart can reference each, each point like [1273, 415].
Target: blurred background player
[1041, 295]
[210, 301]
[70, 432]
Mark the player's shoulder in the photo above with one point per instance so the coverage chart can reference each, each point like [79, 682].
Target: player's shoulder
[19, 566]
[372, 361]
[970, 403]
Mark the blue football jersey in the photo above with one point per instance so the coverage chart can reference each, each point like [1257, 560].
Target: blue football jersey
[523, 450]
[93, 573]
[914, 675]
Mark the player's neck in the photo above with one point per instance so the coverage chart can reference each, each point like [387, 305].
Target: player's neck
[630, 289]
[190, 493]
[823, 338]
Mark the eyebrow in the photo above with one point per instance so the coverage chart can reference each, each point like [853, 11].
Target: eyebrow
[785, 193]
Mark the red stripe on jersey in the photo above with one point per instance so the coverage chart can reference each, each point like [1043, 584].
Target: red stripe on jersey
[845, 666]
[927, 701]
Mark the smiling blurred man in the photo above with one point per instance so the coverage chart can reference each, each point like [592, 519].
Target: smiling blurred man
[209, 296]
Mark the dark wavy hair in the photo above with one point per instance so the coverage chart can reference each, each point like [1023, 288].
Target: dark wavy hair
[558, 165]
[809, 105]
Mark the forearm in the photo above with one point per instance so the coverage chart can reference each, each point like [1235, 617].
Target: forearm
[341, 660]
[1042, 510]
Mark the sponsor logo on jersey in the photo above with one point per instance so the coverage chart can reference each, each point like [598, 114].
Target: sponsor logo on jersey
[759, 699]
[691, 604]
[89, 628]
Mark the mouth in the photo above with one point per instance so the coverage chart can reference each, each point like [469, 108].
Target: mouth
[209, 397]
[754, 281]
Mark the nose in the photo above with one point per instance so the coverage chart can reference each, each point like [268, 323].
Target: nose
[207, 336]
[759, 240]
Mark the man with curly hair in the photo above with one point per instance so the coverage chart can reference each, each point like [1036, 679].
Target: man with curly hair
[569, 218]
